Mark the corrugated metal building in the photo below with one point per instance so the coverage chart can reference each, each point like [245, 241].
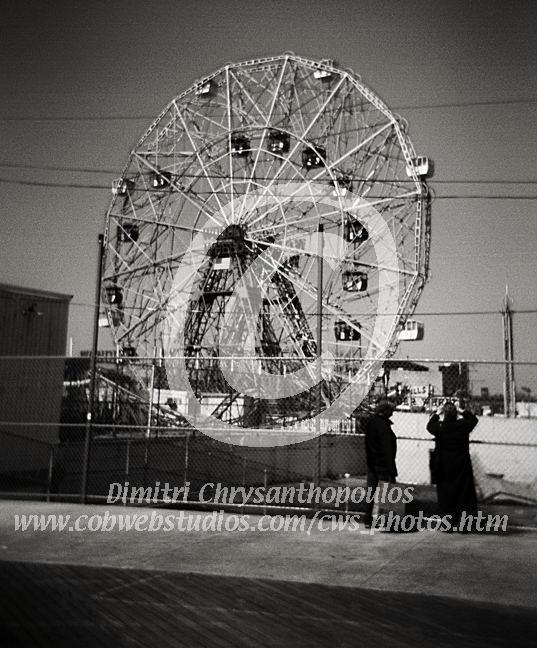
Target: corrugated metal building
[32, 322]
[33, 327]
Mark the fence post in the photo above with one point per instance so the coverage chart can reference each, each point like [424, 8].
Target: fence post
[50, 469]
[146, 459]
[186, 461]
[265, 491]
[127, 458]
[151, 389]
[244, 479]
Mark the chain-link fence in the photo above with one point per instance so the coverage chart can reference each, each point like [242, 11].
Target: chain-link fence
[139, 445]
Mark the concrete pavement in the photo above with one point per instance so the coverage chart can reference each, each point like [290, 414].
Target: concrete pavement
[497, 569]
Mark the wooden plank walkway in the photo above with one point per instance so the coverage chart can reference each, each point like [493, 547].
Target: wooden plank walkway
[43, 604]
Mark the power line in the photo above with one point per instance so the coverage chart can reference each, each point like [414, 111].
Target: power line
[531, 311]
[45, 167]
[77, 119]
[485, 197]
[73, 185]
[461, 104]
[467, 104]
[433, 182]
[66, 185]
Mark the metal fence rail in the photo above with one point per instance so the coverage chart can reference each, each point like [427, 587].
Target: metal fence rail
[138, 438]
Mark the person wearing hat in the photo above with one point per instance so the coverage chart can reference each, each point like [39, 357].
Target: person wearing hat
[455, 486]
[380, 451]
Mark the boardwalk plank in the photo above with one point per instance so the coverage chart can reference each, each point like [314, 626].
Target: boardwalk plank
[239, 594]
[143, 590]
[77, 606]
[278, 623]
[112, 615]
[207, 600]
[213, 630]
[32, 593]
[141, 622]
[14, 622]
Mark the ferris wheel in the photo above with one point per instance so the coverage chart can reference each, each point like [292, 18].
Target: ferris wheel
[251, 127]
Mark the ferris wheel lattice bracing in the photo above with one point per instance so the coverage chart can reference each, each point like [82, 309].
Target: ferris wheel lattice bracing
[247, 128]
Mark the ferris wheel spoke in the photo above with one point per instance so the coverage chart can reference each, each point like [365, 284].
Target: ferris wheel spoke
[292, 99]
[200, 205]
[143, 320]
[329, 308]
[161, 223]
[374, 201]
[244, 90]
[200, 161]
[229, 153]
[303, 135]
[261, 197]
[212, 171]
[299, 223]
[381, 267]
[268, 119]
[121, 260]
[362, 144]
[301, 283]
[140, 250]
[290, 249]
[140, 269]
[283, 206]
[193, 116]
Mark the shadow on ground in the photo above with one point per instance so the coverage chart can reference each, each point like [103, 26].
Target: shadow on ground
[73, 605]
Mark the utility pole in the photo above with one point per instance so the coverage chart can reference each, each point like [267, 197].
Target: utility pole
[318, 468]
[93, 363]
[509, 400]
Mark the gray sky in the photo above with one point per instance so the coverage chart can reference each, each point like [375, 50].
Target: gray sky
[82, 81]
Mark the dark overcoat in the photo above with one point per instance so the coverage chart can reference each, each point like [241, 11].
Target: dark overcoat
[380, 446]
[454, 476]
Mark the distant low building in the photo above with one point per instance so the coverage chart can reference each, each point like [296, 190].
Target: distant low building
[455, 379]
[526, 409]
[410, 384]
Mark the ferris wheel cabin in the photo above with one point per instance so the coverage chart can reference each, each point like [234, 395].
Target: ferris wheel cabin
[323, 75]
[122, 187]
[412, 331]
[314, 157]
[355, 232]
[354, 281]
[160, 179]
[279, 142]
[341, 185]
[239, 146]
[346, 333]
[423, 166]
[207, 90]
[128, 233]
[115, 295]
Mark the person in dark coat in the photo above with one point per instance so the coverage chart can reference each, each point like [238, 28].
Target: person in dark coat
[452, 464]
[380, 451]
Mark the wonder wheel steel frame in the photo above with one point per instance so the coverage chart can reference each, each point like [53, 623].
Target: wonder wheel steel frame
[246, 128]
